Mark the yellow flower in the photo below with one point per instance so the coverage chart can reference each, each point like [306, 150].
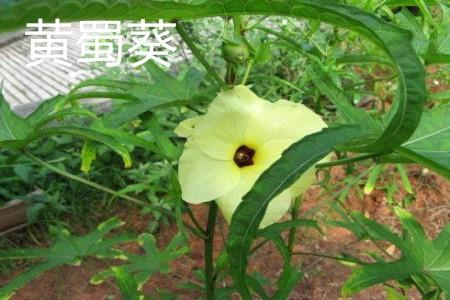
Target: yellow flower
[228, 148]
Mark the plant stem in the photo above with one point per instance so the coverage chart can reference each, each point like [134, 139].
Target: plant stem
[294, 215]
[195, 231]
[92, 184]
[280, 80]
[356, 261]
[230, 76]
[95, 95]
[295, 45]
[371, 81]
[247, 72]
[346, 160]
[259, 21]
[209, 247]
[237, 22]
[196, 52]
[194, 220]
[255, 248]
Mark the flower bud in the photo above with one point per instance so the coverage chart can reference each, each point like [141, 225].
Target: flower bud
[236, 51]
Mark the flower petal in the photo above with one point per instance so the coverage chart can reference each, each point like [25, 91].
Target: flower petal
[238, 99]
[306, 180]
[303, 183]
[186, 128]
[271, 151]
[275, 211]
[277, 208]
[294, 121]
[219, 137]
[204, 179]
[229, 202]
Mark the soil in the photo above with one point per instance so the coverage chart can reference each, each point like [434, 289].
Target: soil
[323, 278]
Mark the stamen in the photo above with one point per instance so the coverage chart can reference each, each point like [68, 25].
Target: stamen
[244, 156]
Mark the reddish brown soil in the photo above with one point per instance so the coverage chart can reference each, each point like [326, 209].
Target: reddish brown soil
[323, 278]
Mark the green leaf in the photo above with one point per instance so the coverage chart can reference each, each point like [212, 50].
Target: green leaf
[126, 138]
[153, 261]
[347, 222]
[372, 179]
[439, 50]
[363, 59]
[437, 260]
[12, 127]
[395, 42]
[290, 275]
[263, 54]
[91, 135]
[392, 294]
[380, 232]
[165, 146]
[407, 20]
[127, 284]
[350, 113]
[24, 172]
[88, 155]
[439, 96]
[65, 112]
[165, 91]
[405, 179]
[67, 249]
[420, 256]
[431, 141]
[377, 273]
[298, 158]
[45, 109]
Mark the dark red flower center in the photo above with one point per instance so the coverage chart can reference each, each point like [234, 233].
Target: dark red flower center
[244, 156]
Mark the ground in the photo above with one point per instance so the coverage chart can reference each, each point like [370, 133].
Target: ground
[323, 278]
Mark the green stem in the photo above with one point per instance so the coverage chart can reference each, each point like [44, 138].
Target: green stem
[258, 246]
[194, 220]
[356, 261]
[195, 231]
[230, 77]
[196, 52]
[308, 36]
[104, 94]
[209, 247]
[371, 81]
[32, 163]
[294, 215]
[237, 22]
[92, 184]
[259, 21]
[280, 80]
[247, 72]
[295, 45]
[346, 160]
